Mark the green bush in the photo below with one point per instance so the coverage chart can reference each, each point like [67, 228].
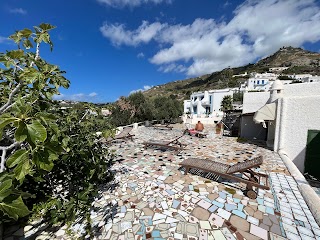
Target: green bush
[138, 108]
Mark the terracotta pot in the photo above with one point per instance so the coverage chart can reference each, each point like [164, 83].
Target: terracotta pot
[218, 128]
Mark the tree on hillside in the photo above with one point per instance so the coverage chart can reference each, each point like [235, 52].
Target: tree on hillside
[167, 108]
[141, 107]
[138, 108]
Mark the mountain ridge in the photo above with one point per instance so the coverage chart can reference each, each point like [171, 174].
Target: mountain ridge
[298, 60]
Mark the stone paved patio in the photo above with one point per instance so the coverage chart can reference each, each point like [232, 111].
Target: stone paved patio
[156, 201]
[153, 199]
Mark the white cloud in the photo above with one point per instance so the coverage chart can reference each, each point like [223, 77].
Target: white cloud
[140, 55]
[226, 4]
[120, 36]
[145, 88]
[172, 67]
[257, 29]
[4, 40]
[76, 97]
[131, 3]
[18, 11]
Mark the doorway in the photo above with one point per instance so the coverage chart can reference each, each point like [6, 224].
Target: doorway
[312, 161]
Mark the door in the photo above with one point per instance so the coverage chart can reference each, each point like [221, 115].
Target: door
[312, 162]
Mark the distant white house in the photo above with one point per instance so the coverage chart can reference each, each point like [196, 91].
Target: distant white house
[241, 75]
[287, 117]
[305, 78]
[105, 112]
[264, 81]
[261, 81]
[205, 106]
[277, 69]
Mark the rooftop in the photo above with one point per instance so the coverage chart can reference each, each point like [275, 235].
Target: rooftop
[151, 198]
[155, 200]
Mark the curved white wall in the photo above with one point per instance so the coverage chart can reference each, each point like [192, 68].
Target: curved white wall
[296, 116]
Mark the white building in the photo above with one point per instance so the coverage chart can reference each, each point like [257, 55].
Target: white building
[105, 112]
[241, 75]
[277, 69]
[264, 81]
[261, 81]
[305, 78]
[300, 76]
[291, 117]
[205, 106]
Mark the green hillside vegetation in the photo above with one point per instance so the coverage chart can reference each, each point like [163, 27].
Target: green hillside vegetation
[138, 108]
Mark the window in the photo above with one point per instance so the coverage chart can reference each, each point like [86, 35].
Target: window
[195, 110]
[210, 99]
[262, 81]
[258, 82]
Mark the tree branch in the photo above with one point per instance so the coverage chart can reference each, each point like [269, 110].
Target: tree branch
[4, 152]
[3, 160]
[5, 107]
[83, 116]
[37, 52]
[8, 138]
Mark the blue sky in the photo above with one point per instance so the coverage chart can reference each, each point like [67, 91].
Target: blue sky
[110, 48]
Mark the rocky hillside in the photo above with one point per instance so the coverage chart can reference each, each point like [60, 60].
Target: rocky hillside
[297, 59]
[291, 57]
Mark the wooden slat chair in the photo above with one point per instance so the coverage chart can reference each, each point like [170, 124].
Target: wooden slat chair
[249, 177]
[169, 144]
[123, 135]
[163, 126]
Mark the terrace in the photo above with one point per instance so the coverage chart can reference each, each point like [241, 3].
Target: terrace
[151, 198]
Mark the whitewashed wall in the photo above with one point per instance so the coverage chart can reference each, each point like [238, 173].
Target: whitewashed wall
[217, 99]
[187, 106]
[297, 113]
[301, 89]
[253, 101]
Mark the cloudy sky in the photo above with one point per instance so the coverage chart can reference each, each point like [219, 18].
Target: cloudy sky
[111, 48]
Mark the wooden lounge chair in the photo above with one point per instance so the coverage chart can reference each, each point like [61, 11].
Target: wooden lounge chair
[169, 144]
[123, 135]
[163, 126]
[249, 177]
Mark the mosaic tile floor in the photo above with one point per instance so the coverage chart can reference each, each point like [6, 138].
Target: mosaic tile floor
[153, 199]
